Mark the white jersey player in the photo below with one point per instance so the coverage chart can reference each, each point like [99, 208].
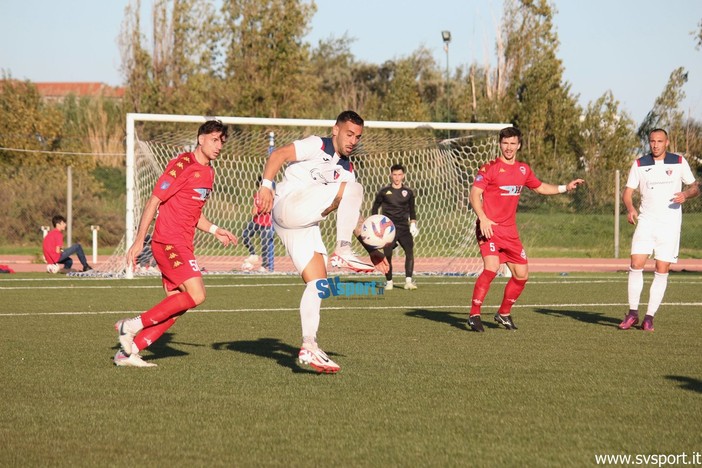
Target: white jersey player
[659, 177]
[319, 179]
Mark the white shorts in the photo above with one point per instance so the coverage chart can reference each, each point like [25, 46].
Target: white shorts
[663, 239]
[296, 218]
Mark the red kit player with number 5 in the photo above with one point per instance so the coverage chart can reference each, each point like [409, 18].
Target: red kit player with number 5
[178, 197]
[494, 197]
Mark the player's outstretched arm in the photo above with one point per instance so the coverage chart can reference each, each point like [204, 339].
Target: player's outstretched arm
[222, 235]
[551, 189]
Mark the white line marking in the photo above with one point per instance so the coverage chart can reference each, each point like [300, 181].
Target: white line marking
[362, 308]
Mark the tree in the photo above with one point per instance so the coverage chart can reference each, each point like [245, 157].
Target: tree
[178, 76]
[334, 66]
[34, 180]
[537, 100]
[609, 143]
[666, 113]
[136, 62]
[267, 63]
[403, 101]
[27, 123]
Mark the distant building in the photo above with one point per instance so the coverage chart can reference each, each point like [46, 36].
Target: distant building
[57, 92]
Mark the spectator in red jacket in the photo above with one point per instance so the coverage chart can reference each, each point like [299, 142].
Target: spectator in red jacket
[55, 254]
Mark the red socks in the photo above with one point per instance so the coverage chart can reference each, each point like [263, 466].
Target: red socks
[161, 317]
[512, 292]
[480, 290]
[171, 305]
[148, 336]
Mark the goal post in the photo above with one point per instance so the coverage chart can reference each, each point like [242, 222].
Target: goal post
[439, 170]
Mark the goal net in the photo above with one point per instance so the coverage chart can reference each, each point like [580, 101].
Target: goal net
[441, 160]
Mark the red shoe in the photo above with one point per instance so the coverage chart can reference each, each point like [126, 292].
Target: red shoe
[647, 323]
[631, 319]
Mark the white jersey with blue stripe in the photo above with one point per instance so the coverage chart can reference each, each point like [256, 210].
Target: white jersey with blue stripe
[316, 164]
[658, 182]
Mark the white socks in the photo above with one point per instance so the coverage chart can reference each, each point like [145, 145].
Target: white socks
[636, 283]
[349, 211]
[656, 293]
[310, 304]
[660, 282]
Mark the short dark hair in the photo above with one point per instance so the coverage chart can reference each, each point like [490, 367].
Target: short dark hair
[509, 132]
[347, 116]
[57, 219]
[397, 167]
[658, 130]
[213, 126]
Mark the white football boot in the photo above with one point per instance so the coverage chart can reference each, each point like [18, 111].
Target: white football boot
[318, 360]
[125, 335]
[133, 360]
[344, 257]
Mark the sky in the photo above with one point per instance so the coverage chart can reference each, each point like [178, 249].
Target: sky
[627, 46]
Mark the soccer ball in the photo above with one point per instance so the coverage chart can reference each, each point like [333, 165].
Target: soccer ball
[377, 231]
[52, 268]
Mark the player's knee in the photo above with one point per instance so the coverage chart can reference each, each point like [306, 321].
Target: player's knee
[353, 189]
[198, 297]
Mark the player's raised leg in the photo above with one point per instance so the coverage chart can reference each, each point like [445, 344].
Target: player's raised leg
[348, 205]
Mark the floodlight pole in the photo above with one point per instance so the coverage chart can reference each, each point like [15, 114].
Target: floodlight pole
[446, 37]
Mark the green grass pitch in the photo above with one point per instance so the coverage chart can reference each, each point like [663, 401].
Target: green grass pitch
[415, 387]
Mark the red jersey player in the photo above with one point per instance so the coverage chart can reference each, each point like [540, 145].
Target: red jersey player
[494, 198]
[179, 196]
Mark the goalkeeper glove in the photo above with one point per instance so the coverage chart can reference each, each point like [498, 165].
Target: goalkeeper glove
[414, 230]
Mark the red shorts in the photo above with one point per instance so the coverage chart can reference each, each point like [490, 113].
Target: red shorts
[504, 243]
[176, 262]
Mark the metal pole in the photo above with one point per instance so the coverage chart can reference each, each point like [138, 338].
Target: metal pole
[271, 142]
[130, 220]
[446, 37]
[95, 230]
[69, 206]
[448, 90]
[616, 213]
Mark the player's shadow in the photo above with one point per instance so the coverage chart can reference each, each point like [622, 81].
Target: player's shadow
[447, 318]
[687, 383]
[269, 348]
[595, 318]
[163, 348]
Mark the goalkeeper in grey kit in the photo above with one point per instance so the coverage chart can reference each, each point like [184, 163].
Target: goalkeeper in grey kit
[397, 203]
